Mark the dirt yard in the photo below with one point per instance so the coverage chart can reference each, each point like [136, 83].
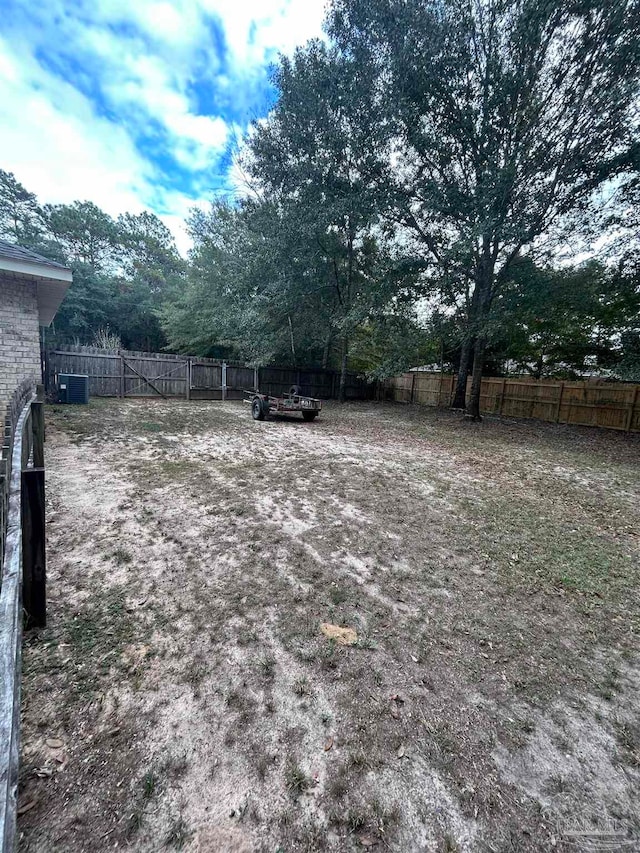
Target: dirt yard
[184, 695]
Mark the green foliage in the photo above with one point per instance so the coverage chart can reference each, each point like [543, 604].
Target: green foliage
[302, 273]
[566, 321]
[424, 150]
[390, 344]
[122, 270]
[20, 216]
[504, 117]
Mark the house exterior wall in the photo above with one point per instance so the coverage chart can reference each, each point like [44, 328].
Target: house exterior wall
[19, 336]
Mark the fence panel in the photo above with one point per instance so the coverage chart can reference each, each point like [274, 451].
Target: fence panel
[206, 379]
[103, 368]
[239, 379]
[125, 373]
[23, 577]
[604, 404]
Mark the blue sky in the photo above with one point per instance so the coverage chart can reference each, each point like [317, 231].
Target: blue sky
[138, 104]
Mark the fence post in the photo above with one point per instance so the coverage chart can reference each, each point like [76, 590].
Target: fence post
[122, 383]
[37, 428]
[413, 386]
[40, 398]
[559, 402]
[34, 573]
[256, 379]
[188, 378]
[504, 385]
[632, 406]
[224, 380]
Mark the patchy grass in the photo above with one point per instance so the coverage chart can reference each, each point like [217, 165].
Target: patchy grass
[183, 697]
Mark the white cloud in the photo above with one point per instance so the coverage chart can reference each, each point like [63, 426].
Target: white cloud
[144, 56]
[64, 155]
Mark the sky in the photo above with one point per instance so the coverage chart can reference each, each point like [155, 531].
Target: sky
[138, 104]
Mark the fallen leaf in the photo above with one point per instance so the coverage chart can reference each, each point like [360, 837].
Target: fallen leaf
[54, 743]
[394, 712]
[343, 636]
[478, 572]
[328, 744]
[401, 751]
[367, 841]
[43, 772]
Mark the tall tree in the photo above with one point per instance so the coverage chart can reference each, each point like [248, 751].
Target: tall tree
[86, 233]
[505, 115]
[20, 215]
[151, 271]
[147, 250]
[311, 159]
[246, 295]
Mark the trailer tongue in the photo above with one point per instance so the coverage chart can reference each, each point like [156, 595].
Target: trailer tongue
[263, 404]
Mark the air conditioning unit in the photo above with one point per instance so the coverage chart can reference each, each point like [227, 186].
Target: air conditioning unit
[73, 388]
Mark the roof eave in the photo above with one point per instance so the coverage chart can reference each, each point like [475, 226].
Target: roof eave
[52, 283]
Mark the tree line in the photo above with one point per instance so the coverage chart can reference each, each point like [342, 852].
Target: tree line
[124, 269]
[410, 199]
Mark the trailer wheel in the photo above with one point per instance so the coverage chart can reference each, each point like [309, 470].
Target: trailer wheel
[309, 416]
[257, 409]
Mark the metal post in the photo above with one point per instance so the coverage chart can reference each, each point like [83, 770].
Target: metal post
[224, 380]
[37, 430]
[34, 577]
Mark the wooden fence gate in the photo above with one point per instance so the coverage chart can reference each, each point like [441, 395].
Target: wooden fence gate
[124, 373]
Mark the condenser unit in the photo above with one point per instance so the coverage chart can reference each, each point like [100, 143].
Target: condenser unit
[73, 388]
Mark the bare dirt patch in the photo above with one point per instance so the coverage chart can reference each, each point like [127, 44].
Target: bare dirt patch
[184, 695]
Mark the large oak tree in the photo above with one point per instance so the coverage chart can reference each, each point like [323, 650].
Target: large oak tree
[504, 115]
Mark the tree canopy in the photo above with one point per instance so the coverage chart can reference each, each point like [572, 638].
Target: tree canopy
[409, 195]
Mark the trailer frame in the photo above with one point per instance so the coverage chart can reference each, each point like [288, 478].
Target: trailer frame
[263, 405]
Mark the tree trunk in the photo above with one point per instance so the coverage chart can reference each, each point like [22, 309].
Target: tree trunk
[537, 374]
[466, 356]
[473, 406]
[327, 351]
[342, 393]
[481, 303]
[293, 346]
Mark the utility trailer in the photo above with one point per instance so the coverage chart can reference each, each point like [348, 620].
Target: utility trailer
[263, 405]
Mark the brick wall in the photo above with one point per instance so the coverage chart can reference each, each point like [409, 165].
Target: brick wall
[19, 336]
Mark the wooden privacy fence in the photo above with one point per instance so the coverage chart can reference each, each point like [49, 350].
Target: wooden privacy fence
[23, 588]
[603, 404]
[123, 373]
